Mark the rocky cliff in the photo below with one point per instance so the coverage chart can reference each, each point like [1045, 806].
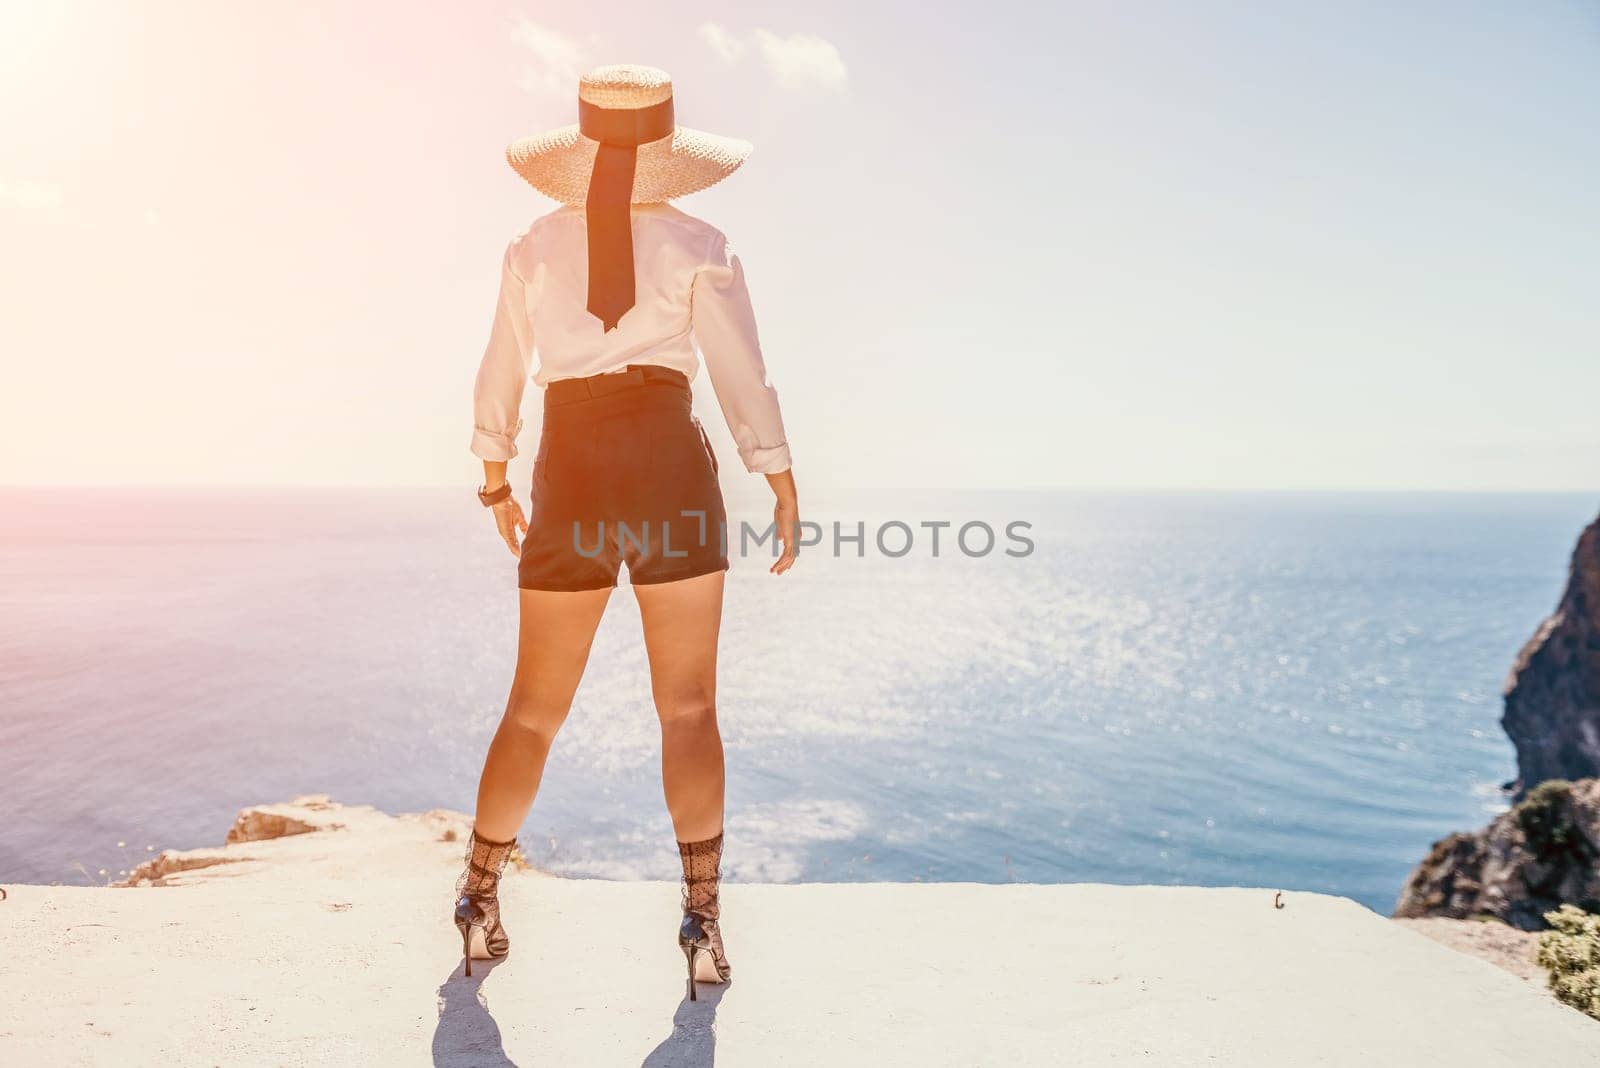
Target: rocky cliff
[266, 823]
[1552, 709]
[1545, 852]
[1529, 861]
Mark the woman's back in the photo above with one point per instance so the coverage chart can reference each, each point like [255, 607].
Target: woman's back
[670, 249]
[690, 295]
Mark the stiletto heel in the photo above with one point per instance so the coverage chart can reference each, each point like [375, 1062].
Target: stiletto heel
[478, 899]
[700, 931]
[689, 952]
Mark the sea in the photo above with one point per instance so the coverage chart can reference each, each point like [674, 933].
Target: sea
[1290, 691]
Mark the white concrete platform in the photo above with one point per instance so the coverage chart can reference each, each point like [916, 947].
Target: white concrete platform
[336, 948]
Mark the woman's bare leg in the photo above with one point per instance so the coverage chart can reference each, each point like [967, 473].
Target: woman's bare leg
[681, 623]
[553, 645]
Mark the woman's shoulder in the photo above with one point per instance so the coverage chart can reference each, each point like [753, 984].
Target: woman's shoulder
[528, 246]
[563, 215]
[673, 215]
[706, 239]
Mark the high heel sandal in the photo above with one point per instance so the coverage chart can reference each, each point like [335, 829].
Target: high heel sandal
[697, 935]
[701, 931]
[477, 914]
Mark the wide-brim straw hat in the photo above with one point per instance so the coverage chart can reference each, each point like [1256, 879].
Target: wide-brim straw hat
[558, 163]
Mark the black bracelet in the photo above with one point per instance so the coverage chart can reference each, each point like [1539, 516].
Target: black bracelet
[496, 495]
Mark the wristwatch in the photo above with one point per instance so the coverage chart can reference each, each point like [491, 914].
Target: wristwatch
[496, 495]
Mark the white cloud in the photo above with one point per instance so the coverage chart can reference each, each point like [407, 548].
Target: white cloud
[32, 198]
[554, 62]
[799, 61]
[802, 61]
[723, 42]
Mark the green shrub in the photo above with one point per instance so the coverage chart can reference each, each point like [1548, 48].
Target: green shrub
[1571, 952]
[1545, 817]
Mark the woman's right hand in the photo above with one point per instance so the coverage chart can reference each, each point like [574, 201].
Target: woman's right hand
[508, 518]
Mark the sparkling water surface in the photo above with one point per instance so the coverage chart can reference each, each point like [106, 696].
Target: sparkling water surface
[1280, 690]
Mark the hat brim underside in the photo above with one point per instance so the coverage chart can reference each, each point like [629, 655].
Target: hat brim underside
[558, 163]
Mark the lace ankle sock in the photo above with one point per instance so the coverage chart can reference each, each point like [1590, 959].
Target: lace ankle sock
[702, 875]
[486, 860]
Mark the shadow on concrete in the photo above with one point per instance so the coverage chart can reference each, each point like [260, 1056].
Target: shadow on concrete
[466, 1033]
[693, 1042]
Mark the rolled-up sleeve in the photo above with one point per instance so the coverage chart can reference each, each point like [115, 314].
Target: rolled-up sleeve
[724, 326]
[503, 374]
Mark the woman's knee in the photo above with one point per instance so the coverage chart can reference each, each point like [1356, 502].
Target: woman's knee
[526, 713]
[687, 711]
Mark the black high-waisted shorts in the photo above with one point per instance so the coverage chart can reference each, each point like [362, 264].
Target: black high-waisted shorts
[624, 473]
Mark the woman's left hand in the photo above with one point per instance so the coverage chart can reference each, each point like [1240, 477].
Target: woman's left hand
[509, 519]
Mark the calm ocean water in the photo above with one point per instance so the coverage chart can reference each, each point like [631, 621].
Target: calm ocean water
[1291, 691]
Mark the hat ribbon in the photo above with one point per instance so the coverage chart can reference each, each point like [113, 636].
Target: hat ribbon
[620, 132]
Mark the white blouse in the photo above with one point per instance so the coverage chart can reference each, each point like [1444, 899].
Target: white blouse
[690, 290]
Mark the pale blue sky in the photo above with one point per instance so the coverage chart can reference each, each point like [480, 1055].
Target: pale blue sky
[1155, 245]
